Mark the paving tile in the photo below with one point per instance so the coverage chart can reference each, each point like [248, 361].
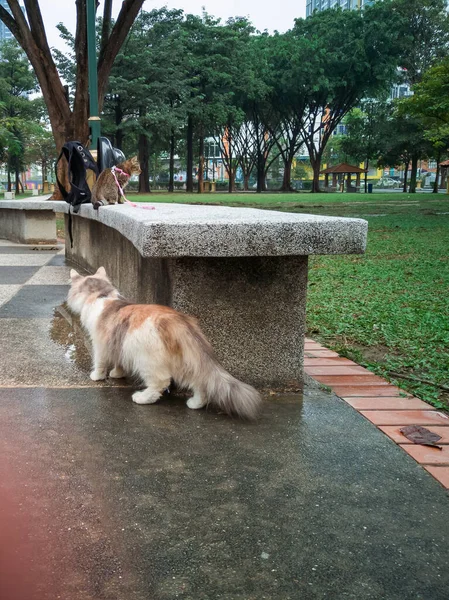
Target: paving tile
[16, 275]
[337, 370]
[34, 301]
[349, 380]
[58, 260]
[320, 353]
[7, 292]
[394, 433]
[405, 417]
[51, 275]
[427, 455]
[385, 403]
[309, 346]
[38, 259]
[371, 391]
[440, 473]
[321, 362]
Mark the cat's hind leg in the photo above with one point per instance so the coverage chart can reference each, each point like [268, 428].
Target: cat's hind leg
[155, 386]
[117, 373]
[153, 391]
[197, 401]
[101, 362]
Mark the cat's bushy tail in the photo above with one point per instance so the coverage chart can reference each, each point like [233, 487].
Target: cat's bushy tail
[201, 370]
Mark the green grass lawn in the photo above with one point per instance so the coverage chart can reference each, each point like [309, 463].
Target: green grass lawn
[273, 200]
[387, 309]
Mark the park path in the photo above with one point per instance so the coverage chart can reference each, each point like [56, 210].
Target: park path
[104, 499]
[386, 406]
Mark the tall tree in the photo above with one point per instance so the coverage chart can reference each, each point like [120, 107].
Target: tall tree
[68, 121]
[343, 56]
[17, 81]
[423, 34]
[364, 137]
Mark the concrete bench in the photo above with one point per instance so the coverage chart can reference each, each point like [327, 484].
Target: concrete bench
[29, 221]
[242, 272]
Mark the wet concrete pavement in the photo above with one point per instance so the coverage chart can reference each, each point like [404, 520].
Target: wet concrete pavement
[105, 499]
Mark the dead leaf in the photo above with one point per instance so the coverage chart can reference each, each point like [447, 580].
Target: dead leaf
[420, 435]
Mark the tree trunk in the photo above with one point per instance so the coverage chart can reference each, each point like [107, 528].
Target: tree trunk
[437, 177]
[413, 174]
[201, 165]
[366, 175]
[260, 172]
[231, 187]
[8, 168]
[246, 177]
[316, 163]
[171, 180]
[406, 165]
[286, 181]
[229, 165]
[44, 171]
[189, 183]
[17, 182]
[437, 174]
[144, 159]
[118, 121]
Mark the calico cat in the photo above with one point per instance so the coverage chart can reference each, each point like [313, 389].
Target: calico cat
[156, 343]
[108, 189]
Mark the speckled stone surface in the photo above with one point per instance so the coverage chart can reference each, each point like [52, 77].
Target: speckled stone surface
[252, 309]
[7, 291]
[51, 275]
[105, 499]
[13, 275]
[37, 259]
[172, 230]
[34, 302]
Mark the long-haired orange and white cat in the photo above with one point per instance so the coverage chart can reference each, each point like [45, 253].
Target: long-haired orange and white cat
[156, 343]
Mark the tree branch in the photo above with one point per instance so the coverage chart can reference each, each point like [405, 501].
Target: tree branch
[36, 24]
[10, 22]
[106, 28]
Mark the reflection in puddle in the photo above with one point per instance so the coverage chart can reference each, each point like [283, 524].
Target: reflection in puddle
[66, 331]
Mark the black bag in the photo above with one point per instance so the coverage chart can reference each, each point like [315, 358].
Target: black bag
[79, 159]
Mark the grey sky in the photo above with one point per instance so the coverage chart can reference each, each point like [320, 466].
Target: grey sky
[265, 15]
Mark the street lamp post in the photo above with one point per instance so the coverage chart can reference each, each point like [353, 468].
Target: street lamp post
[94, 118]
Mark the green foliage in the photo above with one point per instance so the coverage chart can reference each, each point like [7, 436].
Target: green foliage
[365, 131]
[422, 32]
[390, 305]
[430, 103]
[18, 114]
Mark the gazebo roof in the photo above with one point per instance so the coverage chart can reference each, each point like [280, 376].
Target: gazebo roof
[445, 163]
[343, 168]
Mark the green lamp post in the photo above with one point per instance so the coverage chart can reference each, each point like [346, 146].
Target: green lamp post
[94, 118]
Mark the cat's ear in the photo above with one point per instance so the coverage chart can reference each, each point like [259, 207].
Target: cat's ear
[135, 160]
[74, 275]
[101, 272]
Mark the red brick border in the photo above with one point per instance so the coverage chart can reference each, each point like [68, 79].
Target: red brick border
[386, 406]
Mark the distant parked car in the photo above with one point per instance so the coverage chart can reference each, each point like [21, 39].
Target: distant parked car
[388, 182]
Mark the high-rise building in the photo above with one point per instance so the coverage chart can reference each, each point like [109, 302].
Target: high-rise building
[5, 33]
[313, 5]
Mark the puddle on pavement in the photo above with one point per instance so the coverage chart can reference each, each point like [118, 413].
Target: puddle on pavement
[66, 331]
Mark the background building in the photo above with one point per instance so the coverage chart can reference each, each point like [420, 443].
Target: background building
[313, 5]
[5, 34]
